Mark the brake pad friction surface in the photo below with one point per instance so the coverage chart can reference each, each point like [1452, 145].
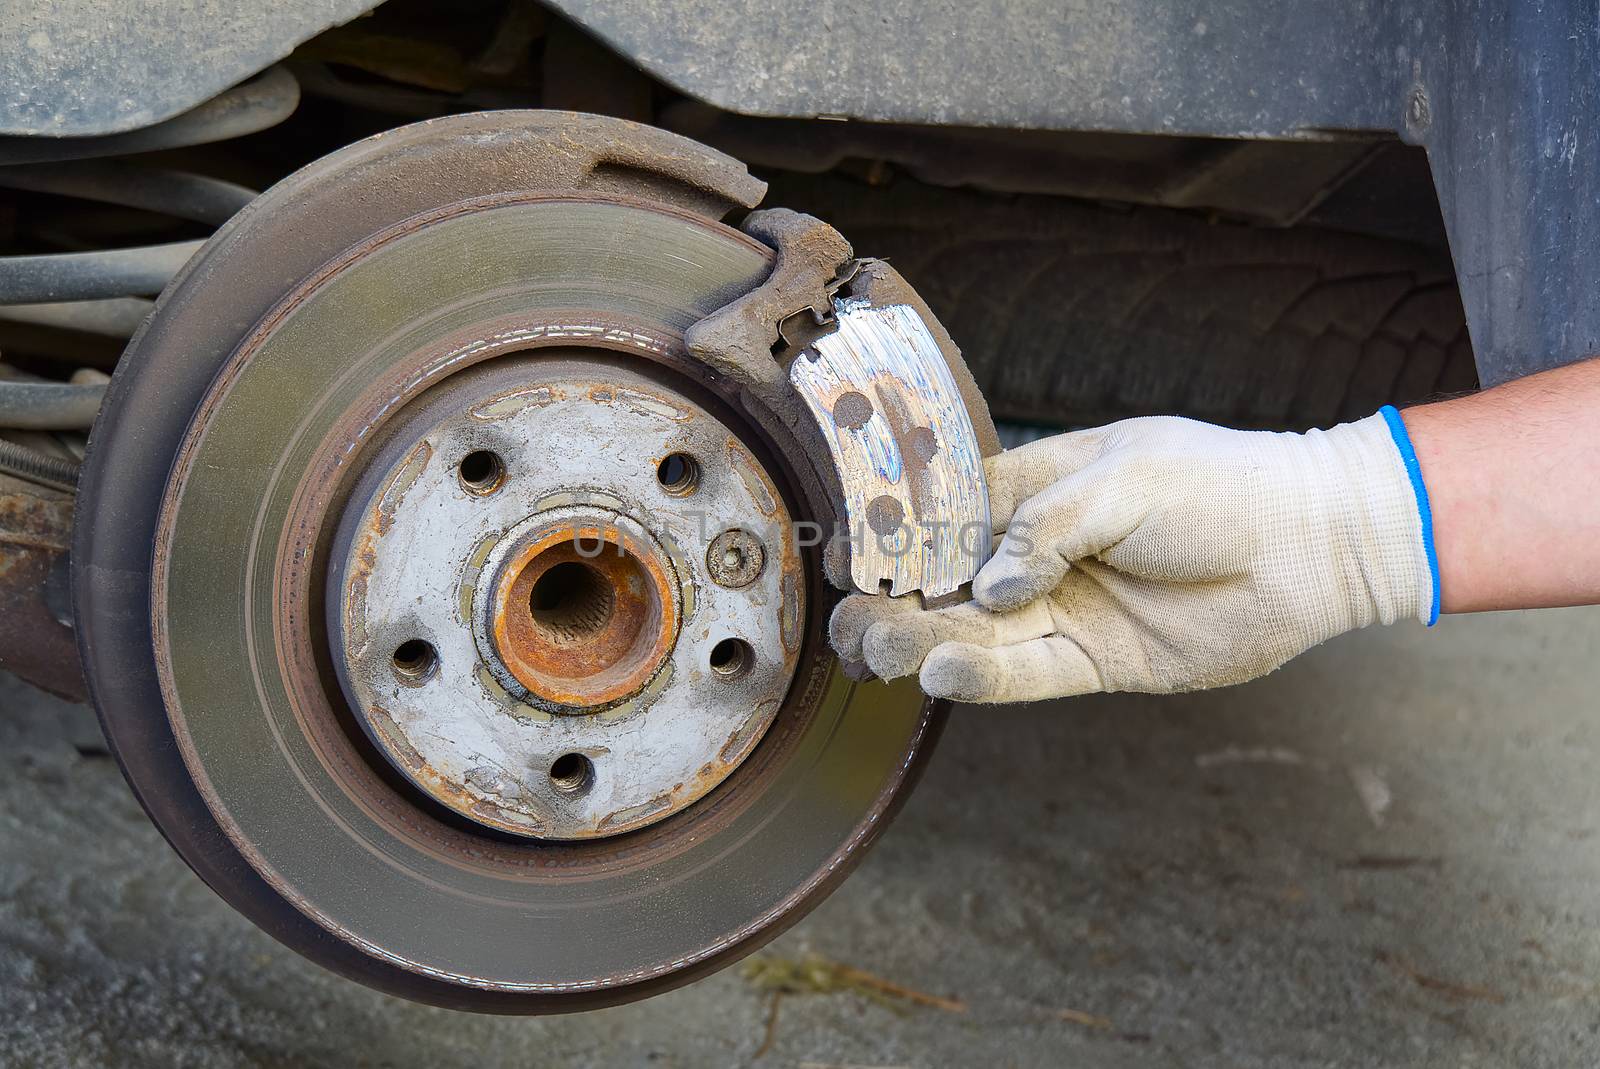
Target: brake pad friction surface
[904, 448]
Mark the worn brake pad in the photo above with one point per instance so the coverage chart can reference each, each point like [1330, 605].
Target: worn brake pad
[904, 448]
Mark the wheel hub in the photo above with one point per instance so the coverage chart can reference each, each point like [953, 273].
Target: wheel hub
[536, 621]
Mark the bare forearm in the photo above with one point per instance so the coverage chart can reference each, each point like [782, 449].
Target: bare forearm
[1513, 478]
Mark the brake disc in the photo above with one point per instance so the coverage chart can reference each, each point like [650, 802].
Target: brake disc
[443, 612]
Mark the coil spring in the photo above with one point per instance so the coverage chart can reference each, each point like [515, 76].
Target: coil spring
[108, 292]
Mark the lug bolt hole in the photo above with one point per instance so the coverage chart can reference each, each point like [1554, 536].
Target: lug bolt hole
[415, 661]
[482, 472]
[572, 773]
[678, 474]
[732, 658]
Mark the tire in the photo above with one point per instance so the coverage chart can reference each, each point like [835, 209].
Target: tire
[1075, 314]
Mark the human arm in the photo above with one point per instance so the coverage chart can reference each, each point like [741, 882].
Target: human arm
[1513, 474]
[1162, 554]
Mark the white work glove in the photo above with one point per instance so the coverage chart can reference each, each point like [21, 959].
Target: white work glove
[1162, 554]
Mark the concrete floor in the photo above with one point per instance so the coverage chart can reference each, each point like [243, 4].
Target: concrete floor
[1385, 854]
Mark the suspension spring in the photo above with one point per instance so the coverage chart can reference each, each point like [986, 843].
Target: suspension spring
[108, 292]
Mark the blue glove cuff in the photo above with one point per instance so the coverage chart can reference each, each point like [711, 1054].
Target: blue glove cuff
[1408, 456]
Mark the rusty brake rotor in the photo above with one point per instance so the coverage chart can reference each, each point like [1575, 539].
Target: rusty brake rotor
[337, 606]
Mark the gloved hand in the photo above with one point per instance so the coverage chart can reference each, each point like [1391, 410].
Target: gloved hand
[1162, 554]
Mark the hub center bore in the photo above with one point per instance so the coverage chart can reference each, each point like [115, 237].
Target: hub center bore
[571, 603]
[583, 608]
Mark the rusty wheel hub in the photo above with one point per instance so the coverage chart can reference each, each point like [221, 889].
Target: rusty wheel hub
[527, 588]
[582, 612]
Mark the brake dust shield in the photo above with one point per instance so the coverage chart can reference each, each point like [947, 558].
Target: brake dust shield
[317, 385]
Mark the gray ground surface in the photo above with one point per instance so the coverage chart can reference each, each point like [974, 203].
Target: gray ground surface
[1208, 880]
